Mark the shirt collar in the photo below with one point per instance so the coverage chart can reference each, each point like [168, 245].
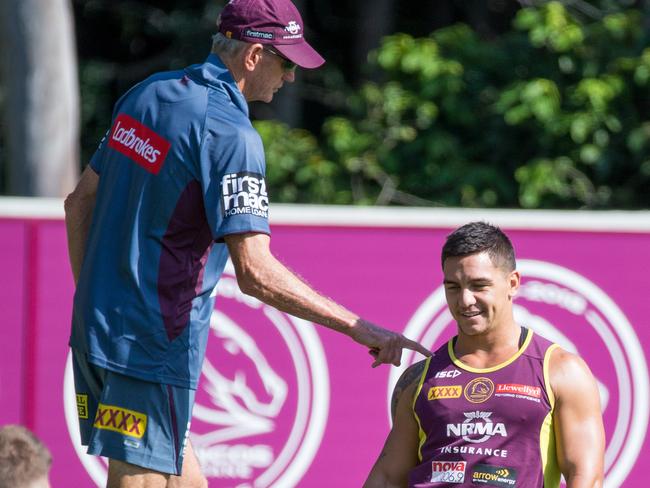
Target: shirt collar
[213, 72]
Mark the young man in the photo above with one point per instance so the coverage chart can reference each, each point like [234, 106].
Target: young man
[176, 186]
[498, 405]
[24, 460]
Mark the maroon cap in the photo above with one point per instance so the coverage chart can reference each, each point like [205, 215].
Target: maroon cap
[274, 22]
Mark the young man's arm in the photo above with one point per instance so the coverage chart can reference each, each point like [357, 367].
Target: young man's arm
[261, 275]
[400, 452]
[580, 436]
[79, 206]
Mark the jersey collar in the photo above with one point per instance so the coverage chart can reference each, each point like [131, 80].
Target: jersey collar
[215, 74]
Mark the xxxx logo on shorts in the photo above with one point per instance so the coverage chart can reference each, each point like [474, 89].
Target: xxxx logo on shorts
[117, 419]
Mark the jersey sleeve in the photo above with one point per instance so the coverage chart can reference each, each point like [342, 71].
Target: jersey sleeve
[233, 173]
[96, 162]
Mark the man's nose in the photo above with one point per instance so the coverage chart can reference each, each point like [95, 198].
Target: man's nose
[467, 297]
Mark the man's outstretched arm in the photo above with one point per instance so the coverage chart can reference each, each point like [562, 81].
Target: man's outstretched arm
[261, 275]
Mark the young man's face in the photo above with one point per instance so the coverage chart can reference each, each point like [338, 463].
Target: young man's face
[479, 294]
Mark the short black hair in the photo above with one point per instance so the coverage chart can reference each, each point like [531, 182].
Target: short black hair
[477, 237]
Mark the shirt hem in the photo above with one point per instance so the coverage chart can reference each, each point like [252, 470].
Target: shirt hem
[135, 373]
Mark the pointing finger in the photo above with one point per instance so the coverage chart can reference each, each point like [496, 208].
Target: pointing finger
[415, 346]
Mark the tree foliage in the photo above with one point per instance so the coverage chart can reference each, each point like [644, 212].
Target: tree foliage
[552, 114]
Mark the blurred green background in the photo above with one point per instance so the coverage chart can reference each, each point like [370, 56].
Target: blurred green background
[491, 103]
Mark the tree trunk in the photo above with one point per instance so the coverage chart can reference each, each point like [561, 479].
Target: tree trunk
[41, 106]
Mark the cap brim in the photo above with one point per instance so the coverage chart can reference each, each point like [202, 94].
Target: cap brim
[302, 54]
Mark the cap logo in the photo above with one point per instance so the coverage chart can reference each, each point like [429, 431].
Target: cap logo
[258, 34]
[292, 27]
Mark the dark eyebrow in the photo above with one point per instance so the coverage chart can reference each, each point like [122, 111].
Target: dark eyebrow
[473, 281]
[481, 280]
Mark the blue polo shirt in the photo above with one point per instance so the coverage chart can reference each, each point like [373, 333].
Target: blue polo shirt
[180, 168]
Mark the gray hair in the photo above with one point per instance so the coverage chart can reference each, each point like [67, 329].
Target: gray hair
[225, 47]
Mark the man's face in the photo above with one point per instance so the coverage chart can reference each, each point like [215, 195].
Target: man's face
[268, 77]
[479, 294]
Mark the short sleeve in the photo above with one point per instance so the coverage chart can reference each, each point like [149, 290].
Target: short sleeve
[233, 173]
[96, 162]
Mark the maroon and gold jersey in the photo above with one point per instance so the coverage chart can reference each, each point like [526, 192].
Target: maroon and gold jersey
[491, 427]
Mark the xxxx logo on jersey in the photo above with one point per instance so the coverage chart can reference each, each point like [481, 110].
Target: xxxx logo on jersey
[442, 392]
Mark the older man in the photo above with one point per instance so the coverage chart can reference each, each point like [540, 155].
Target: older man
[175, 187]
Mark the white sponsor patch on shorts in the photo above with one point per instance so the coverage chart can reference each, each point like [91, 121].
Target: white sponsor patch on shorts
[131, 443]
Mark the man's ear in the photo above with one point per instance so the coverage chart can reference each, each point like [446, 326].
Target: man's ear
[252, 56]
[514, 280]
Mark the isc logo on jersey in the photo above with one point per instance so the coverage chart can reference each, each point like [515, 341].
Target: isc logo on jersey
[568, 309]
[138, 143]
[244, 193]
[262, 402]
[452, 373]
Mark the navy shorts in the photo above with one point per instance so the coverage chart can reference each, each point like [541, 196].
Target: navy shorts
[131, 420]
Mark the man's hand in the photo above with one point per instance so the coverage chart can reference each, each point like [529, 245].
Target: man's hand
[385, 345]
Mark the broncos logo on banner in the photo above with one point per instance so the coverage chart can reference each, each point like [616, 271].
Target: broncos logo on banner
[245, 393]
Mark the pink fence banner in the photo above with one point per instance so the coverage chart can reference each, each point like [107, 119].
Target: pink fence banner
[287, 403]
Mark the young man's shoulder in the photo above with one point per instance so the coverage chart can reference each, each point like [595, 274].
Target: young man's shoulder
[408, 382]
